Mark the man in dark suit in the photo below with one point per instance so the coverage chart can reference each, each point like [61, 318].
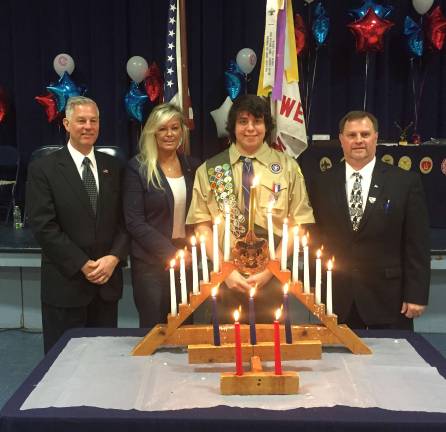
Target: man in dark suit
[372, 217]
[74, 201]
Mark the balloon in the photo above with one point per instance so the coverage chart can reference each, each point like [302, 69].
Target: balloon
[380, 10]
[435, 28]
[134, 101]
[300, 33]
[246, 60]
[233, 80]
[49, 103]
[137, 68]
[154, 83]
[63, 63]
[414, 35]
[321, 24]
[64, 90]
[3, 105]
[369, 32]
[220, 116]
[422, 6]
[309, 1]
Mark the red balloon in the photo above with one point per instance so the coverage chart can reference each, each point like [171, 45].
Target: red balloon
[435, 28]
[154, 83]
[369, 31]
[300, 33]
[3, 105]
[50, 105]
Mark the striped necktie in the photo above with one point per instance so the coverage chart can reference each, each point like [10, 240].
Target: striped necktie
[90, 183]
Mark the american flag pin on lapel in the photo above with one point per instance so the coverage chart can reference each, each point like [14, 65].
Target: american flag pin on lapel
[105, 171]
[376, 186]
[372, 200]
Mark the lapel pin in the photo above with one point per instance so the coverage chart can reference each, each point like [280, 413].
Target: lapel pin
[372, 200]
[376, 186]
[105, 171]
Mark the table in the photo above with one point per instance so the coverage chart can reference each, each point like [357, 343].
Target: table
[221, 418]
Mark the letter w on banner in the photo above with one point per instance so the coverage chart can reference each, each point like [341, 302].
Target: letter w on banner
[176, 83]
[279, 76]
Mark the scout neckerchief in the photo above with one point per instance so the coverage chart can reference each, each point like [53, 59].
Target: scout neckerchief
[221, 181]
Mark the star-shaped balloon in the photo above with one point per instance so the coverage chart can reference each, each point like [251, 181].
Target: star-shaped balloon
[154, 83]
[220, 116]
[134, 101]
[380, 10]
[436, 28]
[414, 34]
[49, 103]
[300, 33]
[369, 32]
[321, 24]
[63, 90]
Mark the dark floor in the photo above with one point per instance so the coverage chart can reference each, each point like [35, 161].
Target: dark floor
[21, 350]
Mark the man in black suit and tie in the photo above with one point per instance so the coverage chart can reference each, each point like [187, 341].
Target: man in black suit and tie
[74, 201]
[372, 217]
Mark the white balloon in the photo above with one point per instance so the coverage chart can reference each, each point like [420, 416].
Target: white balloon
[246, 60]
[309, 1]
[63, 63]
[220, 116]
[422, 6]
[137, 68]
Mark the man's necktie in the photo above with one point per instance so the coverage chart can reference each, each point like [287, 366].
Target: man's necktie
[356, 211]
[247, 178]
[90, 183]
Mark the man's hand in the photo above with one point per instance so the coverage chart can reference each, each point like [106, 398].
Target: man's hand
[260, 279]
[89, 267]
[412, 310]
[237, 282]
[103, 270]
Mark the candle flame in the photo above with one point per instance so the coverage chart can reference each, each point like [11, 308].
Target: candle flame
[330, 265]
[236, 315]
[304, 240]
[278, 313]
[202, 239]
[227, 208]
[285, 221]
[214, 291]
[255, 181]
[193, 241]
[322, 247]
[318, 253]
[172, 263]
[217, 220]
[270, 206]
[181, 254]
[296, 230]
[252, 291]
[285, 289]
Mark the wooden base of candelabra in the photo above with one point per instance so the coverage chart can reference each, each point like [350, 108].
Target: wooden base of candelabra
[259, 382]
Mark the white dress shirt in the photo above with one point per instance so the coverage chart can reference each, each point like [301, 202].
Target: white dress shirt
[78, 158]
[366, 173]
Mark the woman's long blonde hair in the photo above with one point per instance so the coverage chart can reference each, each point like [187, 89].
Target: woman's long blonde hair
[148, 149]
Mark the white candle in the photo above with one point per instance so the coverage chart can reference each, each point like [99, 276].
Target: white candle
[204, 259]
[183, 278]
[173, 295]
[269, 219]
[295, 253]
[283, 258]
[329, 288]
[195, 283]
[227, 241]
[306, 265]
[318, 277]
[215, 247]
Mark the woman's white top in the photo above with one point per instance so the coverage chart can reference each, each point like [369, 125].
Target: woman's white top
[178, 186]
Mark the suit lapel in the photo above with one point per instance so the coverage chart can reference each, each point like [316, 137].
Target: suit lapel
[105, 190]
[68, 170]
[340, 196]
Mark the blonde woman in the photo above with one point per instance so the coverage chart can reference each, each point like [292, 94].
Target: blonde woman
[157, 193]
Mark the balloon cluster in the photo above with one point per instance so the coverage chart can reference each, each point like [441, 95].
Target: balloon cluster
[138, 70]
[56, 99]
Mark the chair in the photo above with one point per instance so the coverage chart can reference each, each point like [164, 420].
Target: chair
[9, 173]
[114, 151]
[44, 151]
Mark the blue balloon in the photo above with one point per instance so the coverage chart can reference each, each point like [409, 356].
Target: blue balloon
[233, 67]
[63, 90]
[321, 24]
[134, 101]
[380, 10]
[414, 34]
[234, 80]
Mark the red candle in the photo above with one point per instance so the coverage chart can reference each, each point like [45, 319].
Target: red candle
[277, 358]
[238, 345]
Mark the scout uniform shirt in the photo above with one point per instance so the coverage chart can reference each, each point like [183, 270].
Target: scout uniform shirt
[280, 179]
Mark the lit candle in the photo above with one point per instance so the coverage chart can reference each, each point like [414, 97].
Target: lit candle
[195, 283]
[238, 344]
[317, 286]
[269, 220]
[277, 358]
[295, 253]
[283, 258]
[252, 318]
[286, 312]
[306, 265]
[227, 240]
[173, 293]
[252, 203]
[215, 244]
[329, 288]
[215, 325]
[204, 259]
[183, 278]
